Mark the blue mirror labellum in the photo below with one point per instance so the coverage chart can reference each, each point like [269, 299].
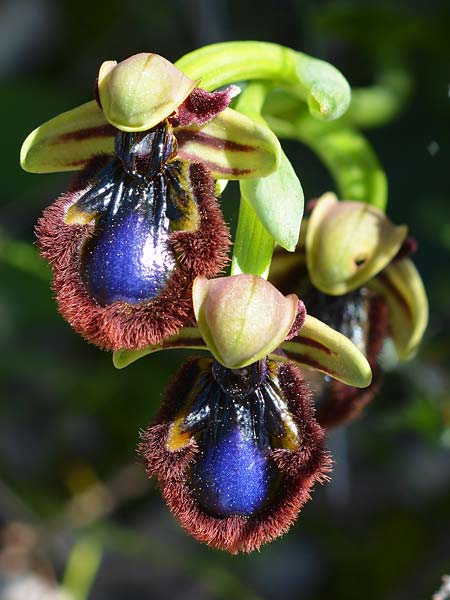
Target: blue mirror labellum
[236, 451]
[130, 237]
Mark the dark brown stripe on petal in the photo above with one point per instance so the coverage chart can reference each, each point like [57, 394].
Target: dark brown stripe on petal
[310, 362]
[384, 278]
[313, 344]
[212, 166]
[184, 136]
[88, 133]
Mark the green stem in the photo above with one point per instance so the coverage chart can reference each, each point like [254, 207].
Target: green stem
[378, 104]
[345, 152]
[321, 85]
[253, 245]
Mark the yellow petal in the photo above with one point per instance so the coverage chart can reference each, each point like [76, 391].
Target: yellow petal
[320, 347]
[242, 318]
[401, 286]
[141, 91]
[348, 243]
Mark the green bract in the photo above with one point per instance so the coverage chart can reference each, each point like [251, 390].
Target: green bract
[278, 201]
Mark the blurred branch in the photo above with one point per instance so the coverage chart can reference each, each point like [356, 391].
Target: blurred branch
[82, 567]
[23, 256]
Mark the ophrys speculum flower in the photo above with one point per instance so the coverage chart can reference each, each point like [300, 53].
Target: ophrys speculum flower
[236, 447]
[141, 221]
[358, 278]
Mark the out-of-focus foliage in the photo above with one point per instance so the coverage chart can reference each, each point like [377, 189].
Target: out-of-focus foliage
[71, 491]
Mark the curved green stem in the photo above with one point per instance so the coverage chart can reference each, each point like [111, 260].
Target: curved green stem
[321, 85]
[342, 148]
[380, 103]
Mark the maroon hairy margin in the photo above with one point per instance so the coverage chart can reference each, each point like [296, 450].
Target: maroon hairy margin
[202, 106]
[300, 469]
[344, 403]
[121, 325]
[298, 321]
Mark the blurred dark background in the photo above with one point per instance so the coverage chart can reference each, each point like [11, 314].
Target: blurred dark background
[75, 505]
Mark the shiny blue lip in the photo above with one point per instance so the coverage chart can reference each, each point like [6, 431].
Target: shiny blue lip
[129, 257]
[237, 419]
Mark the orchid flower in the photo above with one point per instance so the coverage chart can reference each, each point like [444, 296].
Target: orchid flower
[235, 445]
[353, 266]
[141, 220]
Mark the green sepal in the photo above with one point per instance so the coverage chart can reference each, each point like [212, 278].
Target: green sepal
[401, 286]
[141, 91]
[348, 243]
[322, 348]
[317, 346]
[242, 318]
[69, 141]
[188, 337]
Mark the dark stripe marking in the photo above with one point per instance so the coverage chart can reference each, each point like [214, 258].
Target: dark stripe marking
[212, 166]
[315, 364]
[184, 136]
[312, 343]
[384, 278]
[99, 131]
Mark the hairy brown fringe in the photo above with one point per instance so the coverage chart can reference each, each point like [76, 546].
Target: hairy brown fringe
[122, 325]
[299, 469]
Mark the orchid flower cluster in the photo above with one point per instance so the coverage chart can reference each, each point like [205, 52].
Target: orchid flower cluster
[138, 246]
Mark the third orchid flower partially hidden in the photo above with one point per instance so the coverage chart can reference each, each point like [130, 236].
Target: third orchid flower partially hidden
[355, 272]
[141, 220]
[235, 446]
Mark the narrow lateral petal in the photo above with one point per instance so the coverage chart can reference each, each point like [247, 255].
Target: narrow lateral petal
[402, 287]
[69, 141]
[188, 337]
[232, 146]
[320, 347]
